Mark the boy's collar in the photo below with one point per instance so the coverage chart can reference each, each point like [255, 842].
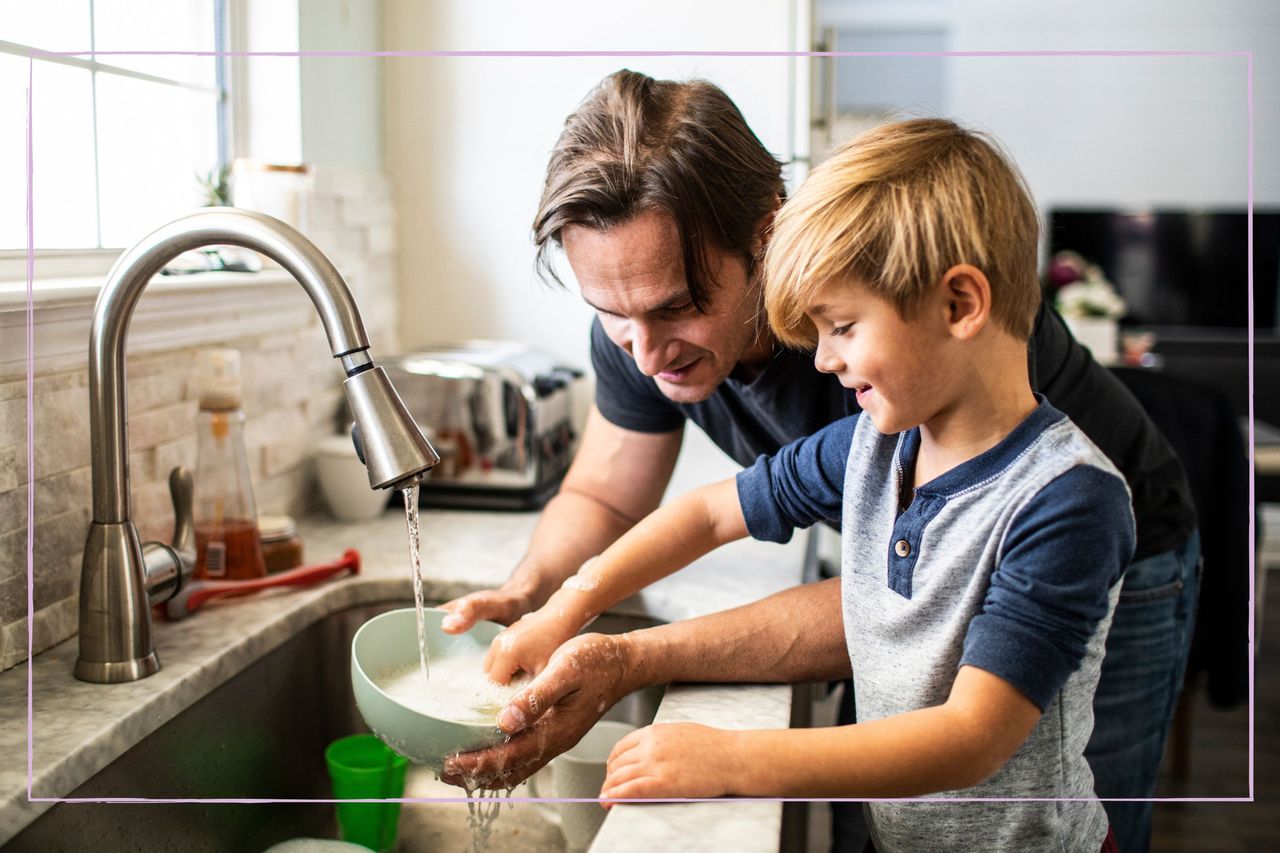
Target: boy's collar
[987, 464]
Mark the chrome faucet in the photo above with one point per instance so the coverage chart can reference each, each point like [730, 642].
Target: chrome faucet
[120, 578]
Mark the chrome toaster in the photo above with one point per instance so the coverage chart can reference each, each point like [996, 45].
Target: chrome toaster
[500, 415]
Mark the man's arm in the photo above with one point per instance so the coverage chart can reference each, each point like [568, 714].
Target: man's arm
[794, 635]
[617, 478]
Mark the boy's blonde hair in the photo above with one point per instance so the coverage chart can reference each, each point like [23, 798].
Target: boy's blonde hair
[893, 210]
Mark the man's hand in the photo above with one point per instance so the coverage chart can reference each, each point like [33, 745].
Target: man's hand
[583, 679]
[674, 760]
[503, 605]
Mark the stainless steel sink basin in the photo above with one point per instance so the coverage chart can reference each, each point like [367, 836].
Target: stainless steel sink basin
[261, 735]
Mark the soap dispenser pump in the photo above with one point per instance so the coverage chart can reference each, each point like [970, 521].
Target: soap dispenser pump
[226, 520]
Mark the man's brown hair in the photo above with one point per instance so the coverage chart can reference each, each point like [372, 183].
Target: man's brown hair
[637, 144]
[893, 210]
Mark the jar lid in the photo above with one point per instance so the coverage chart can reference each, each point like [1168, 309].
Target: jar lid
[218, 383]
[275, 528]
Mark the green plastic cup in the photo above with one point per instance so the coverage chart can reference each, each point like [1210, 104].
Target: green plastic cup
[364, 768]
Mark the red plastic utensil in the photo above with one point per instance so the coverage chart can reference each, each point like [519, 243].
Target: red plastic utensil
[196, 593]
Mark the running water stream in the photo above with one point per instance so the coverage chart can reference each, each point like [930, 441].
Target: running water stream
[415, 561]
[483, 807]
[481, 813]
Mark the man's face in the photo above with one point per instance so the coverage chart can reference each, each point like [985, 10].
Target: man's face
[633, 275]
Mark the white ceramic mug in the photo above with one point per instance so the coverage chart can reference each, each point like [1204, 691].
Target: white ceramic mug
[345, 481]
[579, 773]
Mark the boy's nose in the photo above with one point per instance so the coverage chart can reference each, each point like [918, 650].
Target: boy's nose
[825, 360]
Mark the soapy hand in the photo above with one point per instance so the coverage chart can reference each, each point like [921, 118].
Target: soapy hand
[503, 605]
[673, 760]
[583, 679]
[529, 643]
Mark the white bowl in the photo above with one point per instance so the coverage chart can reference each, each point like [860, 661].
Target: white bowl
[344, 481]
[389, 642]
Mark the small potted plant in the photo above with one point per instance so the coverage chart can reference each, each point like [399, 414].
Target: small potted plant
[1088, 304]
[215, 186]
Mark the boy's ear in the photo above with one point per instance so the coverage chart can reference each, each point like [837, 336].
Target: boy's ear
[967, 294]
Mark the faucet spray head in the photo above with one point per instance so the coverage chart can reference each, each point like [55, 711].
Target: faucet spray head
[386, 437]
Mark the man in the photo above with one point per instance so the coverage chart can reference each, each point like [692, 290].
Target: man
[661, 198]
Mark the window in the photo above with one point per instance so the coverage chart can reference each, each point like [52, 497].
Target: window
[120, 142]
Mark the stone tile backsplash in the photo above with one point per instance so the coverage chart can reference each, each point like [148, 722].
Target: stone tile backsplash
[292, 396]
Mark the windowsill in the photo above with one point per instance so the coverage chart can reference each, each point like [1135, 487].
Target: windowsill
[57, 264]
[174, 312]
[61, 292]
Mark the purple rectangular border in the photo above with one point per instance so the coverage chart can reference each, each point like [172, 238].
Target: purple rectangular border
[595, 53]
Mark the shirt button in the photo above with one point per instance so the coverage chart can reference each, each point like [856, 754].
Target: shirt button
[902, 548]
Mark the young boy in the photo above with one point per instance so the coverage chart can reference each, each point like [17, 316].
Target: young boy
[983, 534]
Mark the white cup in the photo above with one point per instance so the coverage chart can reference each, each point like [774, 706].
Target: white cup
[344, 481]
[579, 773]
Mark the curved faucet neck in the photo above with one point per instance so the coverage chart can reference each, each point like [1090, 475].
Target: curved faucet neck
[113, 311]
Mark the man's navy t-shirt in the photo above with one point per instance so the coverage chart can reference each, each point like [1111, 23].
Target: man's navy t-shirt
[790, 399]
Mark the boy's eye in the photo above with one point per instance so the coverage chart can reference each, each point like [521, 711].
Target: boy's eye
[837, 331]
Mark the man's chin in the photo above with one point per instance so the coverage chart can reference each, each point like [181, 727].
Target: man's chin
[686, 392]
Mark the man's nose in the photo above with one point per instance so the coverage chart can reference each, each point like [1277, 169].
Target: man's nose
[647, 348]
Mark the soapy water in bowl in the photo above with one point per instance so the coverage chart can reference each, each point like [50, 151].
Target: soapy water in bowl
[460, 690]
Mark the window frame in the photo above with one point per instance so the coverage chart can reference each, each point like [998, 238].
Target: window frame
[96, 260]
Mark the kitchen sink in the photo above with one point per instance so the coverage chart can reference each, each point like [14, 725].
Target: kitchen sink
[261, 735]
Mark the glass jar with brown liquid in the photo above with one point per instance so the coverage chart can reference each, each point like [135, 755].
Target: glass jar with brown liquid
[226, 521]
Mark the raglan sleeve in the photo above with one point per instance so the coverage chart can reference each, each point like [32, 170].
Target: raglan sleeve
[1062, 554]
[801, 484]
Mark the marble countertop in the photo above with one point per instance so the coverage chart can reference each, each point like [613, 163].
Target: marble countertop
[78, 728]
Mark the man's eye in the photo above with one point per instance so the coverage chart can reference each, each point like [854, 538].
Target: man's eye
[678, 309]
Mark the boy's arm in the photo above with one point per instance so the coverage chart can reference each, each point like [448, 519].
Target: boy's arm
[663, 542]
[617, 477]
[947, 747]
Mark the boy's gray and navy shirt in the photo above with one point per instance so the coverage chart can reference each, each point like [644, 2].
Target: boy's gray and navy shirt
[1008, 562]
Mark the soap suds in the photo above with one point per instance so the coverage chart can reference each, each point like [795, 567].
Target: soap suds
[459, 690]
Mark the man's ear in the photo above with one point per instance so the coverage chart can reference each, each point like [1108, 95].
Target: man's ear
[764, 228]
[967, 295]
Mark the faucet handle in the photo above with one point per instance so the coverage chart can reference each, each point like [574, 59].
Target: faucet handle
[182, 490]
[168, 567]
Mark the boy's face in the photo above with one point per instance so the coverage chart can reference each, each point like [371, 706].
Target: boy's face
[633, 275]
[897, 367]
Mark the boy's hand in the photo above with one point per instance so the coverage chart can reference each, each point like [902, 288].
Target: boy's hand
[529, 643]
[674, 760]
